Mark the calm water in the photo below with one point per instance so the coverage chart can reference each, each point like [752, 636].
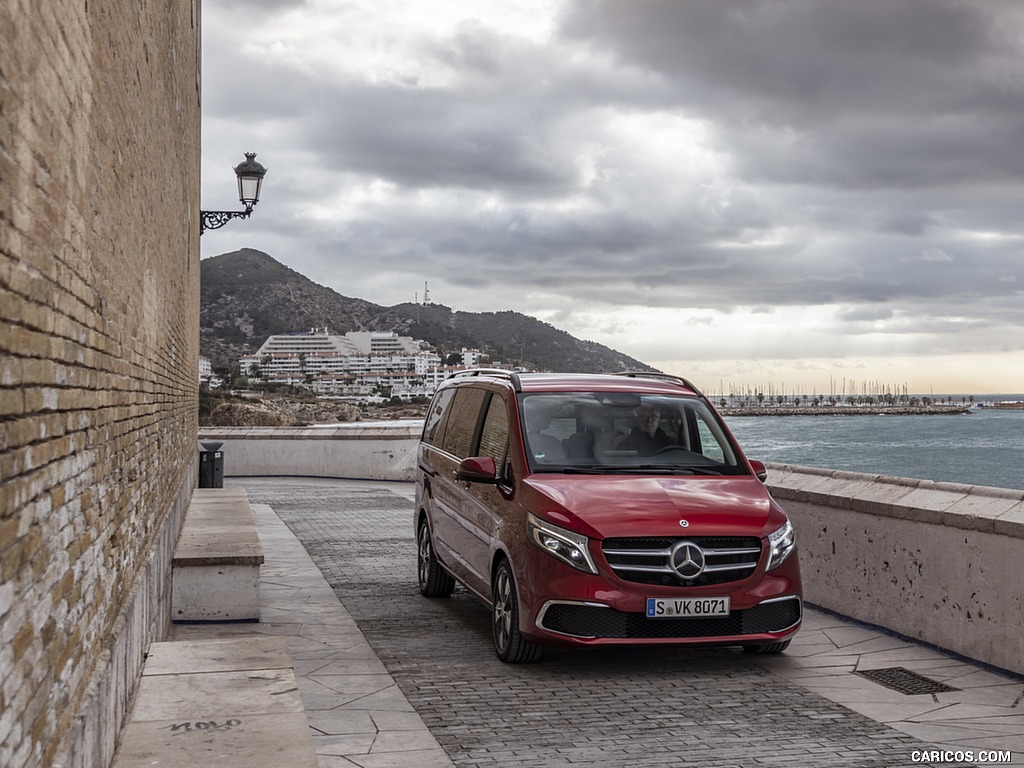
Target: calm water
[984, 447]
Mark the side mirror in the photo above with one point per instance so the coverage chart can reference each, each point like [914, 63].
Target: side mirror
[760, 470]
[478, 469]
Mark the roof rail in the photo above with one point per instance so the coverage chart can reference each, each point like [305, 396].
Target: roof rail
[659, 376]
[500, 373]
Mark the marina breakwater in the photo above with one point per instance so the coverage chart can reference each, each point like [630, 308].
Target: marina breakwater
[844, 410]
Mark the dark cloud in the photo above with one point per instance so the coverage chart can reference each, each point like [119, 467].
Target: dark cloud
[910, 223]
[426, 137]
[866, 314]
[873, 93]
[790, 61]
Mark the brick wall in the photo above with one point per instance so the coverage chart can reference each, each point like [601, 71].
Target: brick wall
[99, 295]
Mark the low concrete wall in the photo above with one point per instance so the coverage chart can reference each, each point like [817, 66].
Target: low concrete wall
[939, 562]
[358, 451]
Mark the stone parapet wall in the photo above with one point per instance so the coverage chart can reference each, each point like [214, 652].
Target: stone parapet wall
[99, 310]
[361, 450]
[938, 562]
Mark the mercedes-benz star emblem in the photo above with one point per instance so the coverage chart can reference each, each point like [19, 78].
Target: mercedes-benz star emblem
[687, 559]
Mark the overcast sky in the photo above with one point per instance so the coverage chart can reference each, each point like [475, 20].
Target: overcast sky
[790, 192]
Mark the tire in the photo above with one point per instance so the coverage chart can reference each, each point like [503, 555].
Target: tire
[767, 649]
[509, 643]
[434, 580]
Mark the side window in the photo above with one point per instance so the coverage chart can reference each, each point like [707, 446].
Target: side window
[462, 421]
[712, 441]
[433, 427]
[494, 435]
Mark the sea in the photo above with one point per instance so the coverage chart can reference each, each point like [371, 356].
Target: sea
[982, 447]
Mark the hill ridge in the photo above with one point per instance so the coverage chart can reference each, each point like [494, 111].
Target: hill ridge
[247, 295]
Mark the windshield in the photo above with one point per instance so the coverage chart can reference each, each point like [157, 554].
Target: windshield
[624, 432]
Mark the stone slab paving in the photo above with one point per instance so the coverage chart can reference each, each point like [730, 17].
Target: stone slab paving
[219, 704]
[985, 712]
[356, 713]
[610, 707]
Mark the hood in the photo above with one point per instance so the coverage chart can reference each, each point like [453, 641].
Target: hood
[606, 506]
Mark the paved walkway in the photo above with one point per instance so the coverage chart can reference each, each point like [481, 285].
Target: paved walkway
[439, 683]
[358, 715]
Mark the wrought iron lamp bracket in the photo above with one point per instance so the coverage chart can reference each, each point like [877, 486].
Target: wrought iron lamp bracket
[217, 219]
[250, 179]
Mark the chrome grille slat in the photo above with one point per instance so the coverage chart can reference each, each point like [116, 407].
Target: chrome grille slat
[666, 569]
[646, 568]
[639, 552]
[739, 551]
[729, 567]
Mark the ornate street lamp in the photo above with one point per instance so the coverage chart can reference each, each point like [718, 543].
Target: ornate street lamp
[250, 179]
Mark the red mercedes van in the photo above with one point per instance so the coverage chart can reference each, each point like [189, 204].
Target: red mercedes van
[600, 509]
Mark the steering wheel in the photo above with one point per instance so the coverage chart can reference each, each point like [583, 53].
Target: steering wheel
[670, 448]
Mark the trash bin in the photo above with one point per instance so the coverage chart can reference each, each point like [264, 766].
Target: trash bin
[211, 464]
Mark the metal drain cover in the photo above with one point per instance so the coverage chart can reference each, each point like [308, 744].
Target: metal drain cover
[905, 681]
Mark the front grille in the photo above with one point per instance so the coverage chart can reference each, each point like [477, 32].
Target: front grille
[602, 622]
[646, 560]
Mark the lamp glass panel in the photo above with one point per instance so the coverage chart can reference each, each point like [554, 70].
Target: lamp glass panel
[249, 189]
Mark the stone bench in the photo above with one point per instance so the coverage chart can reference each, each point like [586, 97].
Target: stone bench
[214, 703]
[216, 563]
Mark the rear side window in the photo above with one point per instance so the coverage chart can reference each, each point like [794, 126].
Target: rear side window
[494, 435]
[464, 415]
[433, 426]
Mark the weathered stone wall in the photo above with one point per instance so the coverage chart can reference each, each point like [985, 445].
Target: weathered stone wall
[938, 562]
[99, 293]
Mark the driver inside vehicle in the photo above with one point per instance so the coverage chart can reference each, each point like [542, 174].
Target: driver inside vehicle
[647, 437]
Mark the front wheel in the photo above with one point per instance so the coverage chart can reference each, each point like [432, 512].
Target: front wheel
[434, 580]
[509, 643]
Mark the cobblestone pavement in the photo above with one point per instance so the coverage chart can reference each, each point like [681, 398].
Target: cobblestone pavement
[644, 707]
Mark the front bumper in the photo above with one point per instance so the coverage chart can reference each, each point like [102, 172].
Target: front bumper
[561, 606]
[770, 620]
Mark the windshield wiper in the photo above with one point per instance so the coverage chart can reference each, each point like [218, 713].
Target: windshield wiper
[636, 469]
[676, 469]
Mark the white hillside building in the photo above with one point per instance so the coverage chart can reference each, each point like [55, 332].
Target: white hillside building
[356, 364]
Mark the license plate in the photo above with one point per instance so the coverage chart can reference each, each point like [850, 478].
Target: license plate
[686, 607]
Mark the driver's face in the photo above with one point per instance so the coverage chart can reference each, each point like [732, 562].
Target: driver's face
[648, 420]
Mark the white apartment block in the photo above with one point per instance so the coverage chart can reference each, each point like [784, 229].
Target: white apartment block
[357, 364]
[206, 374]
[471, 357]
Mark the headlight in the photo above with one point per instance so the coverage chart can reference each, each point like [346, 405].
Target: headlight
[571, 548]
[781, 544]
